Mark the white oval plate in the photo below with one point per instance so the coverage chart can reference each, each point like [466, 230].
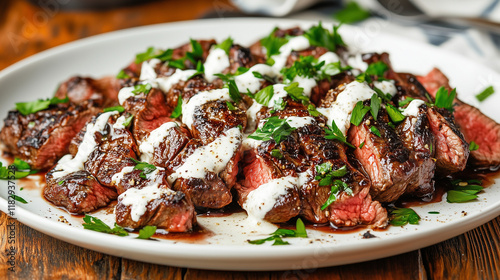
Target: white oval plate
[38, 76]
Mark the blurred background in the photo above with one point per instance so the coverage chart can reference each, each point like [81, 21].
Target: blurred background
[468, 27]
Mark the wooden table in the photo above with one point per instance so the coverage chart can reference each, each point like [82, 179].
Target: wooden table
[27, 29]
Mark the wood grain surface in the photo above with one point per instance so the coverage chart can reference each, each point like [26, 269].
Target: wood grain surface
[28, 29]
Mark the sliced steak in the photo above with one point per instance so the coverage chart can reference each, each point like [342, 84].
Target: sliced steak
[386, 159]
[452, 151]
[474, 125]
[78, 192]
[78, 89]
[417, 137]
[148, 200]
[150, 112]
[43, 137]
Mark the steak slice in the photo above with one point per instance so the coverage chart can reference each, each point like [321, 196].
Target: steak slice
[78, 89]
[385, 159]
[78, 192]
[418, 138]
[452, 151]
[474, 125]
[266, 193]
[149, 201]
[43, 137]
[150, 112]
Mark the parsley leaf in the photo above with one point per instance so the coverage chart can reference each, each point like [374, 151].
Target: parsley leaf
[264, 77]
[234, 92]
[274, 128]
[337, 187]
[361, 145]
[375, 131]
[144, 166]
[377, 69]
[151, 53]
[464, 191]
[18, 198]
[321, 37]
[279, 105]
[95, 224]
[403, 216]
[305, 66]
[143, 88]
[363, 77]
[226, 45]
[200, 69]
[128, 120]
[276, 153]
[122, 75]
[146, 232]
[230, 106]
[332, 69]
[197, 52]
[444, 98]
[375, 102]
[335, 134]
[276, 236]
[473, 146]
[358, 113]
[177, 112]
[395, 115]
[352, 12]
[264, 95]
[406, 101]
[295, 92]
[115, 108]
[26, 108]
[273, 44]
[326, 173]
[17, 170]
[485, 93]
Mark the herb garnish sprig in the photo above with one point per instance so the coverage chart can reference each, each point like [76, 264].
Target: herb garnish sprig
[145, 167]
[336, 134]
[95, 224]
[322, 37]
[17, 170]
[464, 191]
[274, 128]
[277, 236]
[403, 216]
[26, 108]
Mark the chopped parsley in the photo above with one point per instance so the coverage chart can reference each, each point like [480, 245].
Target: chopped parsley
[361, 145]
[26, 108]
[274, 128]
[276, 153]
[18, 198]
[377, 69]
[128, 120]
[120, 109]
[230, 106]
[463, 191]
[177, 112]
[146, 232]
[272, 44]
[200, 69]
[352, 12]
[394, 113]
[151, 53]
[403, 216]
[122, 75]
[264, 95]
[95, 224]
[473, 146]
[337, 187]
[433, 212]
[225, 45]
[326, 173]
[485, 93]
[358, 113]
[375, 131]
[332, 69]
[375, 102]
[264, 77]
[143, 88]
[197, 52]
[335, 134]
[277, 236]
[17, 170]
[407, 100]
[145, 167]
[444, 98]
[305, 66]
[321, 37]
[234, 92]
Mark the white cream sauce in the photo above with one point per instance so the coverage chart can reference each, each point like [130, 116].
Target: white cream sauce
[210, 158]
[147, 69]
[412, 109]
[340, 111]
[157, 136]
[298, 43]
[200, 99]
[386, 87]
[217, 60]
[248, 82]
[166, 83]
